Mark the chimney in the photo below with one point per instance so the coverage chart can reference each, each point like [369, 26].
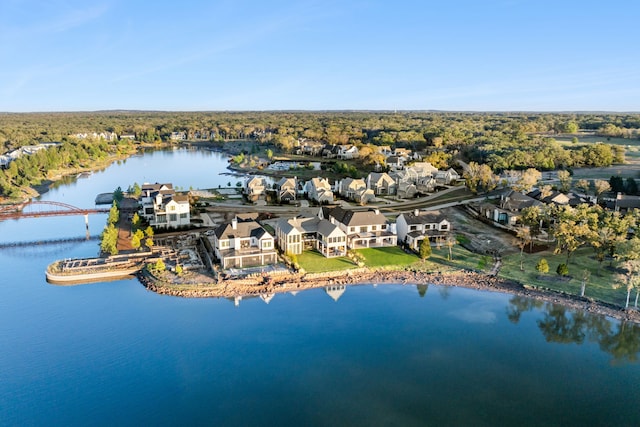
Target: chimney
[234, 223]
[376, 211]
[416, 212]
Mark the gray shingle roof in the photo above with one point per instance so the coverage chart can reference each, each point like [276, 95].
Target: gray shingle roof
[351, 218]
[243, 229]
[425, 217]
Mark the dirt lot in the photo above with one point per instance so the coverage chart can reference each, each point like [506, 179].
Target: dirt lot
[483, 238]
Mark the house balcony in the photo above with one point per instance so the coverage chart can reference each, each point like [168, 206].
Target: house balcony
[251, 250]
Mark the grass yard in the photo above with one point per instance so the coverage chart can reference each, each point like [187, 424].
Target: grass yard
[387, 257]
[590, 139]
[461, 259]
[394, 257]
[599, 285]
[315, 262]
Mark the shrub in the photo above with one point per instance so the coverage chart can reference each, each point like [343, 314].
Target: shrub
[562, 269]
[542, 266]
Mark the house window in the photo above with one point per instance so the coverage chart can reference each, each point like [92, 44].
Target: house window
[183, 216]
[266, 245]
[172, 208]
[374, 227]
[161, 219]
[444, 227]
[352, 229]
[173, 217]
[224, 243]
[363, 229]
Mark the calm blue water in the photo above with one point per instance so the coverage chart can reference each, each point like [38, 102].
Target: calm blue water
[116, 354]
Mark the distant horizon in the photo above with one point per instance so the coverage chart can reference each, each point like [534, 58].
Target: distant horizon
[125, 110]
[307, 55]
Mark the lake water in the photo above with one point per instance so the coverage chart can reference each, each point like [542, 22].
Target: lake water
[115, 354]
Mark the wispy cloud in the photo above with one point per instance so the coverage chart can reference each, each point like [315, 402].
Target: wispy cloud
[74, 18]
[240, 36]
[61, 22]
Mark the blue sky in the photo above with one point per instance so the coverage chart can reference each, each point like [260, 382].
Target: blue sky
[535, 55]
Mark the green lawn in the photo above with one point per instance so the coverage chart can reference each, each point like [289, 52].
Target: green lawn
[598, 287]
[394, 257]
[387, 257]
[315, 262]
[461, 259]
[593, 139]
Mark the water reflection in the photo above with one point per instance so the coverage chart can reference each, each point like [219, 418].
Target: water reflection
[559, 324]
[46, 251]
[422, 289]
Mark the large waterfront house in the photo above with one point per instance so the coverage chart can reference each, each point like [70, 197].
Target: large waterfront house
[163, 208]
[319, 189]
[364, 229]
[415, 226]
[297, 234]
[243, 243]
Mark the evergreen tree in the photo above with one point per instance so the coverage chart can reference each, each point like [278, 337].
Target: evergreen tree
[425, 249]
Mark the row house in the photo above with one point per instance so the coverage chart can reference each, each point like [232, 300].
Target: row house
[295, 235]
[162, 207]
[416, 226]
[243, 243]
[107, 136]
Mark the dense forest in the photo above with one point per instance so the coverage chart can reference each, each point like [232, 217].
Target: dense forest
[500, 140]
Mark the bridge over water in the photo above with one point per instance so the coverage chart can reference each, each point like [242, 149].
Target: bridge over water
[37, 209]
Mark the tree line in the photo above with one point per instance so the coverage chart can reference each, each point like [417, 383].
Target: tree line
[608, 233]
[502, 141]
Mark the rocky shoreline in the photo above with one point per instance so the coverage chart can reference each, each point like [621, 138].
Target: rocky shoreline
[464, 279]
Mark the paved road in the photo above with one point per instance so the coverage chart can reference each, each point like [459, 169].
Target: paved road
[459, 196]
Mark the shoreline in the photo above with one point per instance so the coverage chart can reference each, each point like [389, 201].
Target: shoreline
[294, 282]
[470, 280]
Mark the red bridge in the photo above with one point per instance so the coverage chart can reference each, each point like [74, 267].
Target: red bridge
[37, 209]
